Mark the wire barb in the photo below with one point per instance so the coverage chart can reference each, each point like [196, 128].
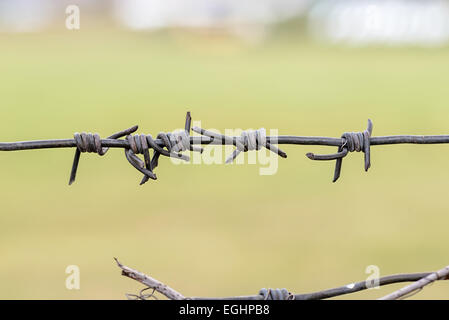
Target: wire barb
[88, 142]
[352, 141]
[172, 145]
[249, 140]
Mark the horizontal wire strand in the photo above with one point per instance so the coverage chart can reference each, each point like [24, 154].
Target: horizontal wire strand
[173, 143]
[292, 140]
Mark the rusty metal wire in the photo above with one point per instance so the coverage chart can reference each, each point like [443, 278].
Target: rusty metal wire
[173, 145]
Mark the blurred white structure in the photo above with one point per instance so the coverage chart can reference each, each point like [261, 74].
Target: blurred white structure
[25, 15]
[244, 17]
[234, 15]
[37, 15]
[382, 22]
[353, 22]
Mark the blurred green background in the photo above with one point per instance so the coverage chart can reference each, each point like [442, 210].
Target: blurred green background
[216, 230]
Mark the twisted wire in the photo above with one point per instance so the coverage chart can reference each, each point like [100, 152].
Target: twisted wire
[249, 140]
[352, 141]
[88, 142]
[276, 294]
[172, 144]
[420, 280]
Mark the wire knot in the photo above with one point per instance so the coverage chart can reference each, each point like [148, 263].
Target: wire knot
[249, 140]
[176, 141]
[170, 144]
[352, 141]
[89, 142]
[180, 141]
[276, 294]
[173, 142]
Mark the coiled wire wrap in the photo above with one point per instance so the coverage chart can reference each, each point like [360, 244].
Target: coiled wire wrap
[249, 140]
[276, 294]
[88, 142]
[352, 141]
[173, 144]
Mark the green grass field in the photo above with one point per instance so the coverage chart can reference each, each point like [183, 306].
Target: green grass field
[216, 230]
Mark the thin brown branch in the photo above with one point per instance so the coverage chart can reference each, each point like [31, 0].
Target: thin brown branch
[442, 274]
[150, 282]
[424, 278]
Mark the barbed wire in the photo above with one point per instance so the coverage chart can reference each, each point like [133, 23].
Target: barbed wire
[421, 279]
[173, 144]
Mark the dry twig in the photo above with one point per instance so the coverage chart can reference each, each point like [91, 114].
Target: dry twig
[417, 286]
[423, 278]
[150, 282]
